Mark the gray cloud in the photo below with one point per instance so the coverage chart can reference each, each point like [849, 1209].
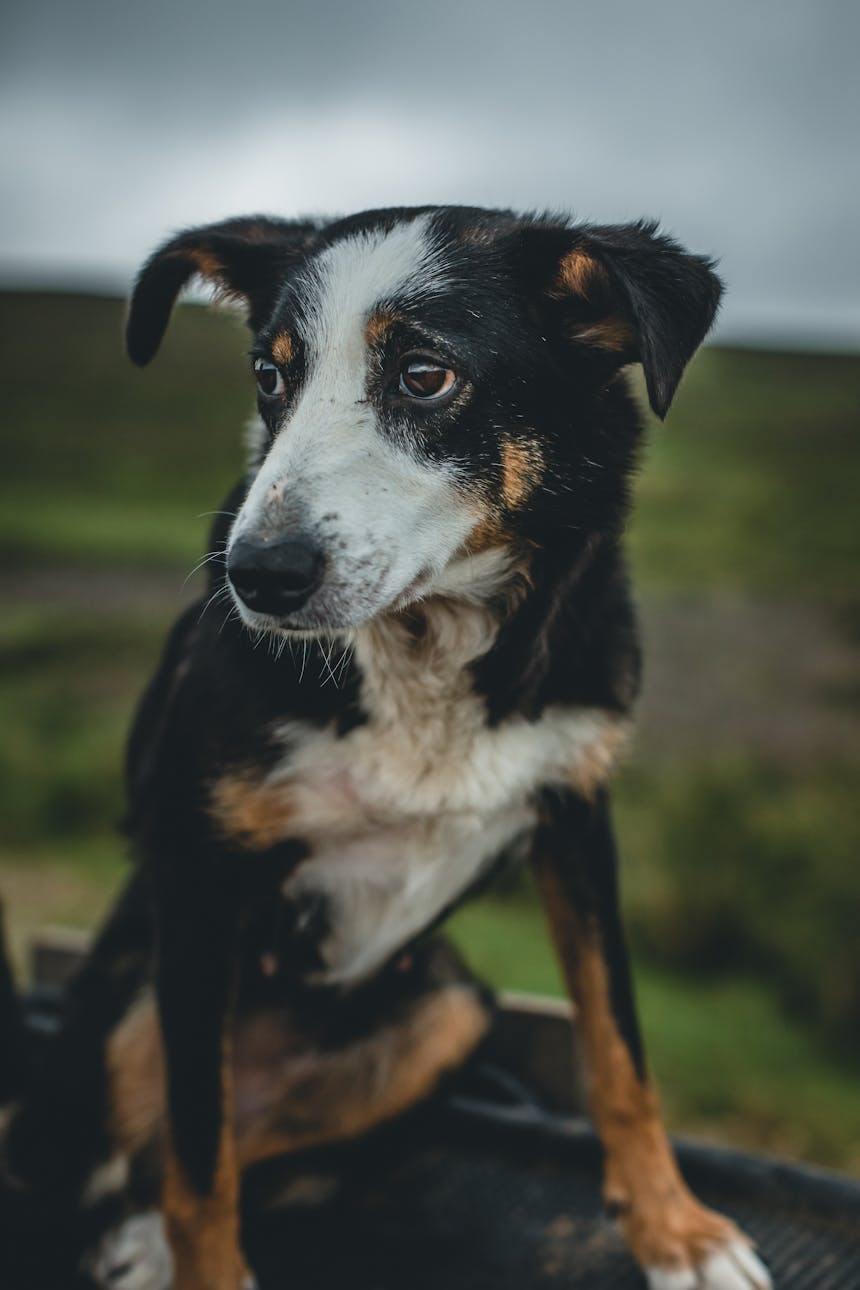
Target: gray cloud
[734, 123]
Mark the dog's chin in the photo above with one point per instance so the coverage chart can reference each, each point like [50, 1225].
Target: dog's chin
[294, 626]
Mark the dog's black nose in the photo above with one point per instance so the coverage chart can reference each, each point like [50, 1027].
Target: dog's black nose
[275, 578]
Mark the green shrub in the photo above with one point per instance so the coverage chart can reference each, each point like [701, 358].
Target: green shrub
[743, 865]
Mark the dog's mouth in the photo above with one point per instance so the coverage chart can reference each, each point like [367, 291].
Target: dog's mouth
[332, 609]
[413, 591]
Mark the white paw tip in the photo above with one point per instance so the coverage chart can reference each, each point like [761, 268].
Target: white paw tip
[134, 1255]
[671, 1278]
[735, 1266]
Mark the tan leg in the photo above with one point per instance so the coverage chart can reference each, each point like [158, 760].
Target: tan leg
[202, 1230]
[680, 1243]
[284, 1096]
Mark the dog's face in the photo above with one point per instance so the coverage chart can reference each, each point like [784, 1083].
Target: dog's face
[436, 391]
[370, 376]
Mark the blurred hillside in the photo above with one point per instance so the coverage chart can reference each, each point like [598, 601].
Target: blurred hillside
[738, 813]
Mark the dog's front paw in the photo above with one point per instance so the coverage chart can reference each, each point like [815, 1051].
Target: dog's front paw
[682, 1245]
[734, 1266]
[134, 1255]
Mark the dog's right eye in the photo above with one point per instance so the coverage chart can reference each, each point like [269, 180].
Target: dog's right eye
[270, 383]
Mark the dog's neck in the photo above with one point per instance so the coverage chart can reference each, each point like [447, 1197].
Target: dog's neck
[418, 659]
[490, 624]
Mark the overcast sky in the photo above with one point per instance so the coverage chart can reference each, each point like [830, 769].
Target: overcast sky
[736, 122]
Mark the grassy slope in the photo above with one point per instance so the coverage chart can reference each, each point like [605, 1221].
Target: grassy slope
[110, 469]
[109, 463]
[752, 486]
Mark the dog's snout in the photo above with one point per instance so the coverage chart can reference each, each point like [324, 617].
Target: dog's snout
[276, 577]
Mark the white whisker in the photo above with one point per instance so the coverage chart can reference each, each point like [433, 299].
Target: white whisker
[210, 555]
[343, 663]
[326, 656]
[218, 594]
[232, 612]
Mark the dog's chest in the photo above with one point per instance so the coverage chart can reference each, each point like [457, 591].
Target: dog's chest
[400, 816]
[397, 826]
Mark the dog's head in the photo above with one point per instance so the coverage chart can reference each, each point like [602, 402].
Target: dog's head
[436, 390]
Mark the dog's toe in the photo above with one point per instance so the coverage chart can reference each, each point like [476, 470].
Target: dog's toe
[734, 1266]
[134, 1255]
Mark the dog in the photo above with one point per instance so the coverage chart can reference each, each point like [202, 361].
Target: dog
[418, 656]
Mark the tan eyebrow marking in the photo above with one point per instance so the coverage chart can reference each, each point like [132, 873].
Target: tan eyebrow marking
[283, 349]
[379, 324]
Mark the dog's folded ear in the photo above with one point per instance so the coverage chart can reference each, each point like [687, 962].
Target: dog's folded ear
[624, 293]
[244, 259]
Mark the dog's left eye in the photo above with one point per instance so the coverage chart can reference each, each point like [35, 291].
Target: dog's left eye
[269, 379]
[422, 379]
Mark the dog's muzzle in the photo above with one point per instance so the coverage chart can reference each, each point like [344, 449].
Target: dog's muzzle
[275, 578]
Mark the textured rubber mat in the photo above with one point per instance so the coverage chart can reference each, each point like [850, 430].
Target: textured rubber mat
[481, 1190]
[472, 1196]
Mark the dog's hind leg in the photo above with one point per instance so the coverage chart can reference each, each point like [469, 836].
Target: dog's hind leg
[57, 1136]
[680, 1244]
[296, 1102]
[290, 1092]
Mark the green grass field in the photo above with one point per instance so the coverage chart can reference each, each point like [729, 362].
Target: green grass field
[738, 811]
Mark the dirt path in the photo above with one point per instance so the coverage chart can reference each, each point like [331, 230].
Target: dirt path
[778, 678]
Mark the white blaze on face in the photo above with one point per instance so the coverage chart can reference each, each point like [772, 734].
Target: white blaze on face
[381, 515]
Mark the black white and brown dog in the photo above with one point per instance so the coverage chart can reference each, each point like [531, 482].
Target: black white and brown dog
[418, 657]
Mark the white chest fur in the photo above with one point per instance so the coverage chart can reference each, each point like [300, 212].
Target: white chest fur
[406, 812]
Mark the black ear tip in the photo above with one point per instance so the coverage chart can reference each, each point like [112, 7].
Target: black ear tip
[661, 392]
[660, 405]
[152, 300]
[673, 332]
[145, 326]
[139, 345]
